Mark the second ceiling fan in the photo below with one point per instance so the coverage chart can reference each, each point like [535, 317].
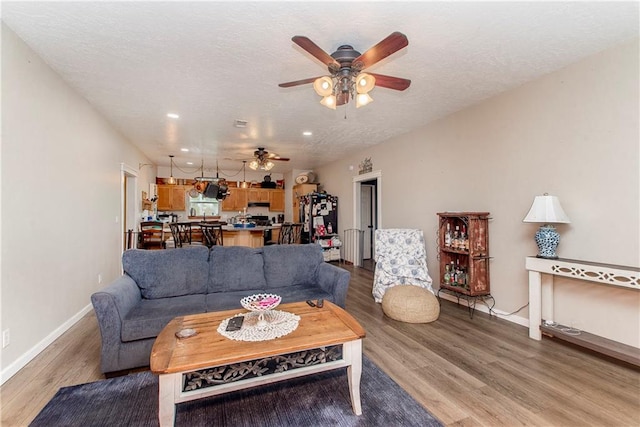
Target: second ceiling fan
[263, 159]
[345, 65]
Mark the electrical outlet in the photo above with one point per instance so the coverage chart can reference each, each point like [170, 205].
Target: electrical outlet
[99, 278]
[5, 338]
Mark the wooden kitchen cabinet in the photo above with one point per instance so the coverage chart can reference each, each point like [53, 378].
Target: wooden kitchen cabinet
[276, 200]
[258, 195]
[236, 200]
[171, 197]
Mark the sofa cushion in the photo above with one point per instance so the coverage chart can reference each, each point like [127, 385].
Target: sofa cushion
[150, 316]
[228, 300]
[289, 265]
[235, 268]
[298, 293]
[168, 273]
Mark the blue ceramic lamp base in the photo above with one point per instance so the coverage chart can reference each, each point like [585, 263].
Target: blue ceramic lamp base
[547, 239]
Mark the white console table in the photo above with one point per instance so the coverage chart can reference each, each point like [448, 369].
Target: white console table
[541, 273]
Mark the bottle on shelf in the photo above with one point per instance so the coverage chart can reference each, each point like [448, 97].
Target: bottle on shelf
[329, 229]
[456, 238]
[464, 239]
[447, 275]
[448, 237]
[452, 269]
[462, 278]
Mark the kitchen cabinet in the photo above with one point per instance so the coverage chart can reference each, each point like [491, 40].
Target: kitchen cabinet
[276, 200]
[300, 190]
[258, 195]
[236, 200]
[171, 197]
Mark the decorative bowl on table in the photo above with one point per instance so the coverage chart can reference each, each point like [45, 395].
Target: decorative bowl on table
[261, 303]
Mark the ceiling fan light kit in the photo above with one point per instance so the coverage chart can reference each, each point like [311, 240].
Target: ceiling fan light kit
[346, 80]
[263, 160]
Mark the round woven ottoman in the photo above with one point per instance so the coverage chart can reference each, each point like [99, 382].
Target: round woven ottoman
[411, 304]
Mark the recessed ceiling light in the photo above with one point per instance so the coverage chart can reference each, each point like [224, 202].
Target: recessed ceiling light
[186, 150]
[173, 116]
[189, 163]
[307, 133]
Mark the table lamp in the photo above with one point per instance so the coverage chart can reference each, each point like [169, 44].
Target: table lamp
[546, 210]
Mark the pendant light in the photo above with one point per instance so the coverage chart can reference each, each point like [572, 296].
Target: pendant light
[171, 179]
[244, 183]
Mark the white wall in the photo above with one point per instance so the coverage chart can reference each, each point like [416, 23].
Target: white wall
[61, 196]
[574, 134]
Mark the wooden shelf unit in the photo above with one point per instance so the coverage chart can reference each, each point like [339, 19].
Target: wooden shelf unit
[473, 259]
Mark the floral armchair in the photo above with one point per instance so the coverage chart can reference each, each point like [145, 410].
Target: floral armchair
[401, 259]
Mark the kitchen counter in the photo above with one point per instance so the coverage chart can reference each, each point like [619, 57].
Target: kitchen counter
[253, 237]
[260, 228]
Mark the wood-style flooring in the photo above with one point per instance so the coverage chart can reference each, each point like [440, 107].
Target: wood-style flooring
[467, 372]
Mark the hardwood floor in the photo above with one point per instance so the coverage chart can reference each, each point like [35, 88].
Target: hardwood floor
[467, 372]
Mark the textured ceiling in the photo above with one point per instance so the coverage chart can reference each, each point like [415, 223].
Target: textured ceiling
[214, 62]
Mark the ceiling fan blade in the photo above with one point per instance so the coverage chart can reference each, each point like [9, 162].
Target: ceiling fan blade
[274, 156]
[316, 51]
[393, 43]
[298, 82]
[390, 82]
[342, 98]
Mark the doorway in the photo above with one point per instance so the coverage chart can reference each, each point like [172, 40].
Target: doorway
[128, 201]
[367, 214]
[368, 202]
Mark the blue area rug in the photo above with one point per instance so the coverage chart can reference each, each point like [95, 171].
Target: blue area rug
[316, 400]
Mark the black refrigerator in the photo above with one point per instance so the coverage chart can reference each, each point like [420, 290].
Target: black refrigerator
[319, 216]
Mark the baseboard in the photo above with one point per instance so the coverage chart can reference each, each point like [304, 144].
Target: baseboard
[22, 361]
[480, 306]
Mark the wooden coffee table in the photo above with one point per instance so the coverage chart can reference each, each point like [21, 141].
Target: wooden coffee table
[208, 364]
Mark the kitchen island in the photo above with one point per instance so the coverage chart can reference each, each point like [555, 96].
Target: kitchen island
[252, 237]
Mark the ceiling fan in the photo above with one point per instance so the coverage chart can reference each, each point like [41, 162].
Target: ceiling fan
[345, 65]
[263, 159]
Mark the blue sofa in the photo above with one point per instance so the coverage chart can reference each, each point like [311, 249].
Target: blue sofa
[159, 285]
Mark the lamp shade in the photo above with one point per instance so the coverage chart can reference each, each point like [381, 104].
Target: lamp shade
[329, 102]
[363, 99]
[546, 209]
[365, 82]
[254, 164]
[323, 86]
[268, 165]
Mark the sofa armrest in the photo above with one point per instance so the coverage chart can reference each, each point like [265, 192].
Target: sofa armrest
[334, 280]
[111, 306]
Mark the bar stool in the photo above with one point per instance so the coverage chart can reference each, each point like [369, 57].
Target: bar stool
[181, 232]
[212, 234]
[290, 233]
